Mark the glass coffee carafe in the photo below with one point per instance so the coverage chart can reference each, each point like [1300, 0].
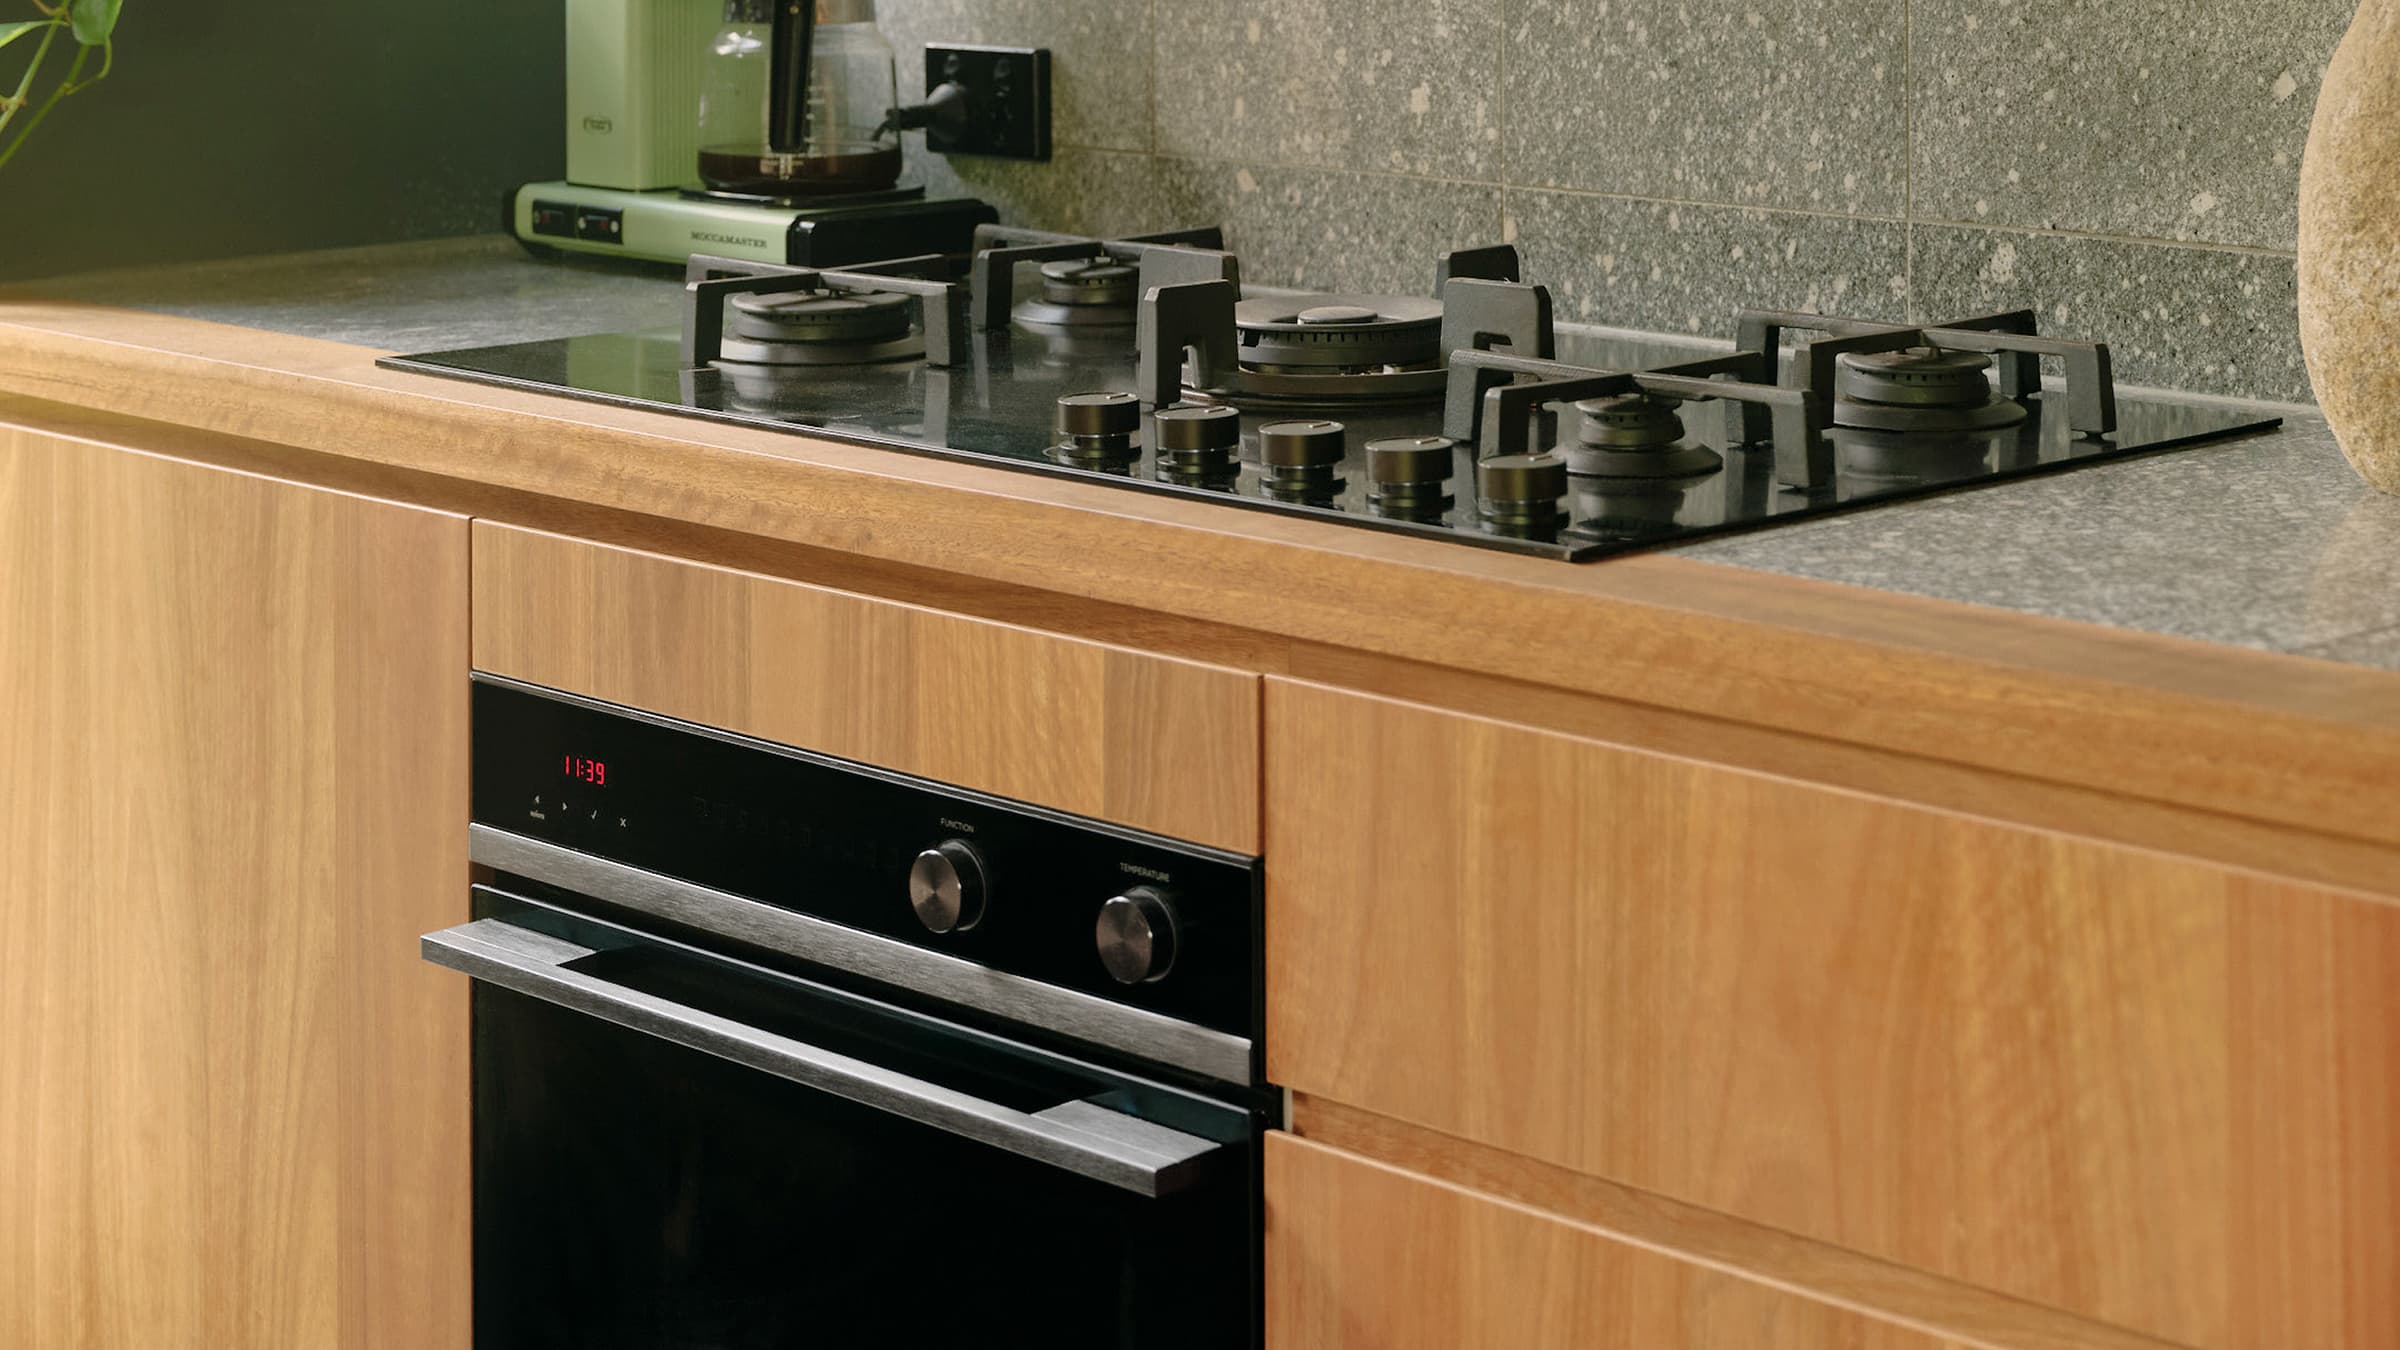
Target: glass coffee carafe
[760, 138]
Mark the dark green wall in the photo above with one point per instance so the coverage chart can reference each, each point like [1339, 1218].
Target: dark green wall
[273, 125]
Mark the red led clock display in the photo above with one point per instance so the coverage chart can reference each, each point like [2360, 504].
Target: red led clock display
[592, 771]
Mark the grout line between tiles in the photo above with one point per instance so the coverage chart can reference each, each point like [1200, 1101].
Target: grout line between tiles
[1500, 121]
[1908, 162]
[2153, 241]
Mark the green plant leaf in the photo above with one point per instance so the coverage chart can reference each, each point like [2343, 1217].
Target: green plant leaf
[10, 32]
[93, 20]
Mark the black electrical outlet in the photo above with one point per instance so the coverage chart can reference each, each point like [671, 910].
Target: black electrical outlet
[1003, 104]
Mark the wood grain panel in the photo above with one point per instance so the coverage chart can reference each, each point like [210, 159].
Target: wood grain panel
[1364, 1256]
[233, 1102]
[2153, 1092]
[1148, 741]
[1945, 1309]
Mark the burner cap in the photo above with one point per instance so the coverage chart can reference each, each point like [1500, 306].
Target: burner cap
[819, 316]
[1919, 389]
[1337, 314]
[1088, 281]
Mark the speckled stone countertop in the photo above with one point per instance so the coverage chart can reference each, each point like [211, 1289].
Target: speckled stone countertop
[394, 297]
[2269, 542]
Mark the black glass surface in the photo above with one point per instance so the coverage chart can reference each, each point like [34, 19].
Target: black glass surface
[835, 839]
[633, 1194]
[1000, 409]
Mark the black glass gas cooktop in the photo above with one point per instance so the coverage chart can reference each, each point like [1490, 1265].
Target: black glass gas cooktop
[998, 405]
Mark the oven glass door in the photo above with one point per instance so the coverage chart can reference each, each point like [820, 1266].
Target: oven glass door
[677, 1151]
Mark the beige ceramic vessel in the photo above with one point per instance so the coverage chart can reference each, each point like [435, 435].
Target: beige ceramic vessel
[2350, 244]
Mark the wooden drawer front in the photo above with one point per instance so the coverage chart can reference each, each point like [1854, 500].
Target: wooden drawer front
[1365, 1256]
[2152, 1092]
[1147, 741]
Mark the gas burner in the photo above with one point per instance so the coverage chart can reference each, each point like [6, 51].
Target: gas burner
[1638, 435]
[745, 317]
[818, 328]
[1334, 350]
[1086, 283]
[1920, 389]
[1196, 339]
[1082, 293]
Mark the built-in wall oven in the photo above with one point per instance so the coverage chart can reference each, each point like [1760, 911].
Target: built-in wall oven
[778, 1050]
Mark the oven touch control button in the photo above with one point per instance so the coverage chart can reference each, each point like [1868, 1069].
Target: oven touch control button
[1136, 934]
[946, 886]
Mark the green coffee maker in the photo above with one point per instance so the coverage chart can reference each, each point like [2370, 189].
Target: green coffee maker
[764, 130]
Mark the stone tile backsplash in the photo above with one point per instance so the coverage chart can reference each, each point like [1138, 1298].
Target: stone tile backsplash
[1801, 105]
[2130, 167]
[1408, 87]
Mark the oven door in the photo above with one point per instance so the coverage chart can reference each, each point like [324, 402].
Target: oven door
[677, 1150]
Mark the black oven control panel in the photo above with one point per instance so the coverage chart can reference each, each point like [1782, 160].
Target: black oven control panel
[1130, 917]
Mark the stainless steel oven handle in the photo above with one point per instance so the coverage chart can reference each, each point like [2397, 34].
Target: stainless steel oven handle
[1089, 1140]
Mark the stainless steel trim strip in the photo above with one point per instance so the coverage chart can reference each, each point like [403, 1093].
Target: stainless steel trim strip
[1068, 1012]
[1091, 1141]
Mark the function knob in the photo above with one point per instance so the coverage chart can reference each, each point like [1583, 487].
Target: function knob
[1136, 934]
[946, 886]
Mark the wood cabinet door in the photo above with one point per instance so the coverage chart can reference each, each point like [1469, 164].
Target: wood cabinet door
[1362, 1255]
[233, 1102]
[2149, 1090]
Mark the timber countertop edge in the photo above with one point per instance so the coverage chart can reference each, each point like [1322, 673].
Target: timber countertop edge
[2173, 720]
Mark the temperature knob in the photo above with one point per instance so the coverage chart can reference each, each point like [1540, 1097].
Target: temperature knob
[1136, 934]
[946, 886]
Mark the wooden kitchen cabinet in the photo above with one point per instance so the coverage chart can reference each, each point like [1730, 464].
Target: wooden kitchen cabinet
[233, 1102]
[2150, 1091]
[1154, 742]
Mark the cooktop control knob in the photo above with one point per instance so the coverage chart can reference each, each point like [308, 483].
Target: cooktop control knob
[1186, 428]
[1196, 440]
[1521, 491]
[1136, 934]
[1096, 430]
[1298, 458]
[1407, 473]
[946, 886]
[1102, 414]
